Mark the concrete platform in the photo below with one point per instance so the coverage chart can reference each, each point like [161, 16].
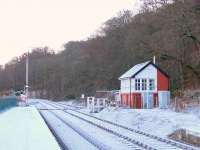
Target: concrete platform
[22, 128]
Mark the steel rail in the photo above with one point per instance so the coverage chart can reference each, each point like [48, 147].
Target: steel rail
[126, 138]
[99, 146]
[184, 146]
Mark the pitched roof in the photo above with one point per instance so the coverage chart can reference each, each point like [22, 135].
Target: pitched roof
[138, 68]
[134, 70]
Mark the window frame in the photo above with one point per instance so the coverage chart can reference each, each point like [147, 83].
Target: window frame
[152, 84]
[144, 84]
[137, 84]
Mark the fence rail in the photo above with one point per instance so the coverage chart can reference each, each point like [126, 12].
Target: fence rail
[181, 103]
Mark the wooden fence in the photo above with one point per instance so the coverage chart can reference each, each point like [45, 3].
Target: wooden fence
[181, 103]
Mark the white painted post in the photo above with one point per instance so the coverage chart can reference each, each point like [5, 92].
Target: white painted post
[148, 99]
[92, 107]
[98, 105]
[154, 59]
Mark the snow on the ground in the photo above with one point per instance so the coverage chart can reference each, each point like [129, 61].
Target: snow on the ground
[161, 122]
[94, 134]
[98, 135]
[193, 110]
[67, 134]
[22, 128]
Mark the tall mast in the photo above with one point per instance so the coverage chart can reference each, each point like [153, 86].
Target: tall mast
[27, 71]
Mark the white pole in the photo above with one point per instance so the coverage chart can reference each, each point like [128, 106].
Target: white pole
[154, 59]
[27, 71]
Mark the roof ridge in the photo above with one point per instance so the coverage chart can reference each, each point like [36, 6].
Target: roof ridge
[134, 69]
[138, 68]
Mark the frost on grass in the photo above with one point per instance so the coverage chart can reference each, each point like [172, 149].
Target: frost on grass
[155, 121]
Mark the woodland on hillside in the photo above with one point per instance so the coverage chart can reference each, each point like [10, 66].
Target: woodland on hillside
[168, 29]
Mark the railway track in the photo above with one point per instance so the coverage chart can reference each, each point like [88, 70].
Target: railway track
[130, 144]
[151, 142]
[59, 139]
[62, 145]
[185, 146]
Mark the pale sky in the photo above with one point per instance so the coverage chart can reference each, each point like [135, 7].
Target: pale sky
[25, 24]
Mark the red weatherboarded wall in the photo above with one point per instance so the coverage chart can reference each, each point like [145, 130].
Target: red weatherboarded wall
[124, 99]
[155, 100]
[162, 82]
[135, 102]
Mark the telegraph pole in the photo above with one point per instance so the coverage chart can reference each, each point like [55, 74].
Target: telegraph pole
[27, 77]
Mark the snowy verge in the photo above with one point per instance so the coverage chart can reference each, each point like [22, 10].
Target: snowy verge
[159, 122]
[22, 128]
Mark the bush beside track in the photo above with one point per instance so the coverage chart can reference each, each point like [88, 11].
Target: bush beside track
[7, 102]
